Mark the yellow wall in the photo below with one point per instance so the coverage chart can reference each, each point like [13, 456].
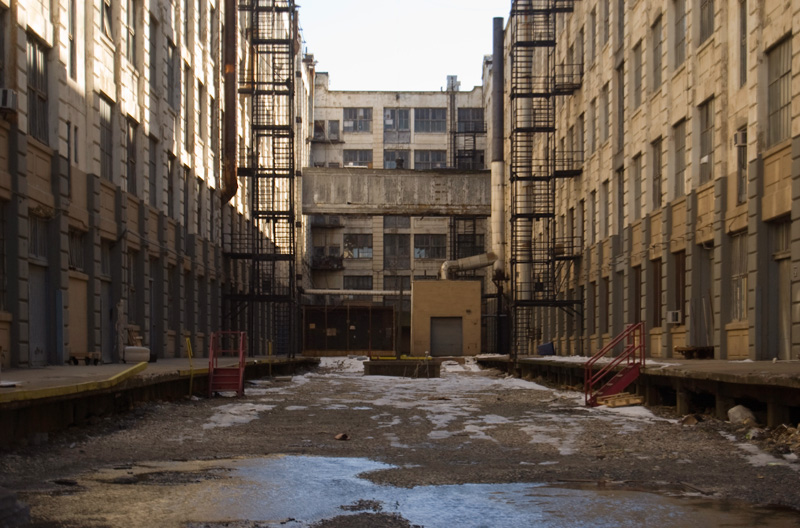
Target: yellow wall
[445, 299]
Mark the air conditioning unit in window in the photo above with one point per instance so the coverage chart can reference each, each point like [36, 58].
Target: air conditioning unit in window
[8, 100]
[740, 138]
[674, 317]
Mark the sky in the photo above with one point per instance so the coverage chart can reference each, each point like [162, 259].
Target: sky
[399, 45]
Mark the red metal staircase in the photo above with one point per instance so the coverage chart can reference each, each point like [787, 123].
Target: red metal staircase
[621, 371]
[230, 376]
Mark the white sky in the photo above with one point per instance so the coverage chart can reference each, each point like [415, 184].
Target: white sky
[400, 45]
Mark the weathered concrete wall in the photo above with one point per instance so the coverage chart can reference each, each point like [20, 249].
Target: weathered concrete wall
[396, 192]
[446, 299]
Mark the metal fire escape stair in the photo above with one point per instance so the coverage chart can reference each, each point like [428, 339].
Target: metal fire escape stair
[618, 373]
[227, 375]
[539, 259]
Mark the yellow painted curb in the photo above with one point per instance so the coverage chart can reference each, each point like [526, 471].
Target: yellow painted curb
[65, 390]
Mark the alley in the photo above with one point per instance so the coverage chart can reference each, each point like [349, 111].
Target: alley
[336, 448]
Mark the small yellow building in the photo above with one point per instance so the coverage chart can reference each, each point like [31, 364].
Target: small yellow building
[445, 318]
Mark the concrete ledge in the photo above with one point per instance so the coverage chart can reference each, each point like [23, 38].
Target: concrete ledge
[406, 368]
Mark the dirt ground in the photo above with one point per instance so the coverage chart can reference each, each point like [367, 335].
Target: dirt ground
[470, 426]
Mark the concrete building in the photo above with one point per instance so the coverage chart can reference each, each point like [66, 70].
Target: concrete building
[110, 178]
[687, 199]
[408, 151]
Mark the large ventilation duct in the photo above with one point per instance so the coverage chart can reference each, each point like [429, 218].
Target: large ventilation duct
[466, 263]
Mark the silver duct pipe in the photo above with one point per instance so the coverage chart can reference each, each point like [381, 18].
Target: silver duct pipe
[375, 293]
[467, 263]
[497, 219]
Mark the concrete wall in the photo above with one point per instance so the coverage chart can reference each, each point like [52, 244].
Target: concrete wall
[445, 299]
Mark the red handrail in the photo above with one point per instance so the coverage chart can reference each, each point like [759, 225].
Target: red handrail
[634, 354]
[217, 348]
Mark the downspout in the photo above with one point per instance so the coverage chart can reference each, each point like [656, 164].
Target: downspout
[498, 163]
[230, 183]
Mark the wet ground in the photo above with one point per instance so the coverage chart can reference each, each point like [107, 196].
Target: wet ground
[471, 449]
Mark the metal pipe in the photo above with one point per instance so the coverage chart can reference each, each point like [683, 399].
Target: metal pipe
[230, 184]
[356, 292]
[498, 164]
[466, 263]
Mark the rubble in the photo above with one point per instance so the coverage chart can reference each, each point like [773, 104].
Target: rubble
[741, 415]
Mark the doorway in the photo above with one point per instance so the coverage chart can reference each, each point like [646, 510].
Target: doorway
[446, 336]
[39, 329]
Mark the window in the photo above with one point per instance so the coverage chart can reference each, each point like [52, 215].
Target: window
[742, 42]
[621, 20]
[4, 32]
[396, 252]
[620, 201]
[77, 243]
[468, 245]
[37, 90]
[154, 45]
[199, 201]
[430, 120]
[593, 36]
[605, 305]
[679, 31]
[105, 258]
[470, 120]
[658, 178]
[3, 252]
[357, 282]
[430, 246]
[779, 90]
[657, 53]
[357, 158]
[430, 159]
[203, 108]
[679, 135]
[741, 166]
[706, 19]
[620, 117]
[605, 122]
[319, 130]
[37, 239]
[657, 289]
[187, 174]
[606, 32]
[105, 6]
[604, 216]
[72, 29]
[358, 119]
[172, 168]
[333, 130]
[106, 140]
[470, 159]
[636, 187]
[680, 285]
[131, 152]
[592, 126]
[592, 227]
[357, 246]
[637, 75]
[395, 159]
[739, 276]
[396, 119]
[130, 33]
[173, 83]
[706, 141]
[637, 294]
[187, 89]
[396, 222]
[153, 171]
[396, 125]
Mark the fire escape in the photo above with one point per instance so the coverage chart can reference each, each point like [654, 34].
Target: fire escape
[267, 307]
[539, 259]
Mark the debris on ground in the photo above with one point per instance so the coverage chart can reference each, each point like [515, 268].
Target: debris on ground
[741, 415]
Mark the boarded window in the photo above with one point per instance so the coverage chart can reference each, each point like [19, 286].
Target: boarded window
[706, 141]
[357, 282]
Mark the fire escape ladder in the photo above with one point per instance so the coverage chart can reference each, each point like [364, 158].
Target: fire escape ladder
[228, 376]
[540, 260]
[618, 373]
[266, 300]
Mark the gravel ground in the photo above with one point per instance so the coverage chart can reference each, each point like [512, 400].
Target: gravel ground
[470, 426]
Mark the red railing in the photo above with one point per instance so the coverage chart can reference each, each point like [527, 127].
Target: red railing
[228, 377]
[633, 357]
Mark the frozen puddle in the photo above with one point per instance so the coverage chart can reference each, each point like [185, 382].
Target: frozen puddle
[295, 492]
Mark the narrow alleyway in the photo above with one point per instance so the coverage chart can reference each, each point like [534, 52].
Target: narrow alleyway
[336, 448]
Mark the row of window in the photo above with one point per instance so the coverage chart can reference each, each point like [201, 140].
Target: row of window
[423, 159]
[398, 120]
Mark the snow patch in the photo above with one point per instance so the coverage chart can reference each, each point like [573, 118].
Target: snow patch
[235, 414]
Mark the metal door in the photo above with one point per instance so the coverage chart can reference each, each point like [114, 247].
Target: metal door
[38, 330]
[446, 336]
[106, 322]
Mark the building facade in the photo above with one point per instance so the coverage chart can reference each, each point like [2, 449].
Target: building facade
[686, 201]
[112, 223]
[388, 248]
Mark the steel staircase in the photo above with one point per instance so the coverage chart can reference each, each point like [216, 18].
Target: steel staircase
[616, 375]
[230, 376]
